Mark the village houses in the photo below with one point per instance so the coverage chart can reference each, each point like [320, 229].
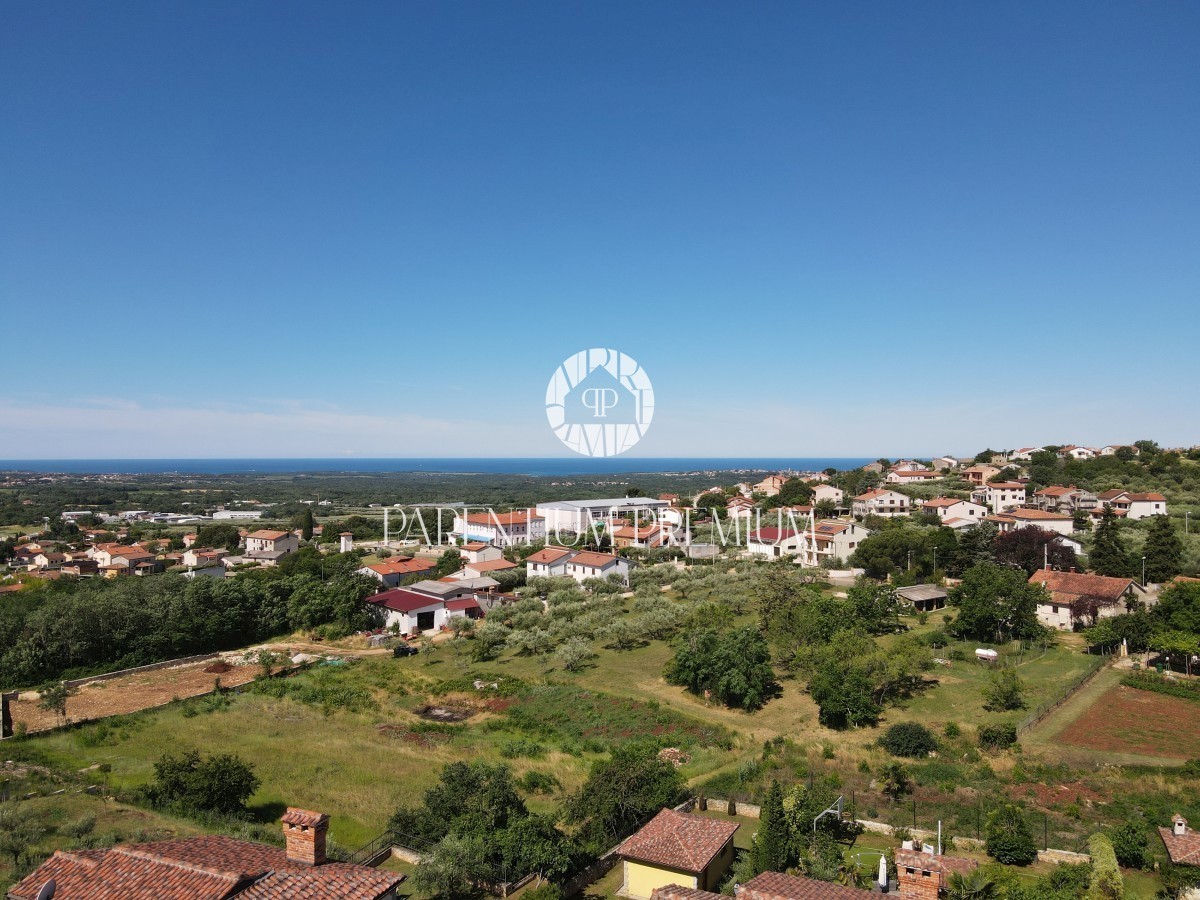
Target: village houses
[880, 502]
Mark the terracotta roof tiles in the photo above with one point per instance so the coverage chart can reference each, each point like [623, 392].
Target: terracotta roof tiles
[678, 840]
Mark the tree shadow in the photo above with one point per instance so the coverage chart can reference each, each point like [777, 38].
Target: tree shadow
[270, 811]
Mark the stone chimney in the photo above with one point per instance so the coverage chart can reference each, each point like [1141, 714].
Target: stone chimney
[1179, 824]
[921, 875]
[304, 832]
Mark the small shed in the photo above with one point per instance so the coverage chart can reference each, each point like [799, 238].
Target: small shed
[923, 597]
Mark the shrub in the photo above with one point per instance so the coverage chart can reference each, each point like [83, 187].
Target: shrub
[908, 739]
[522, 747]
[1004, 691]
[1130, 845]
[997, 737]
[951, 730]
[1008, 838]
[1106, 883]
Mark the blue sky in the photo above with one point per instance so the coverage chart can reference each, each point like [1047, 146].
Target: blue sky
[309, 229]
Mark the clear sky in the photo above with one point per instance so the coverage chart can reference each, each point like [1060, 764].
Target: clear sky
[308, 229]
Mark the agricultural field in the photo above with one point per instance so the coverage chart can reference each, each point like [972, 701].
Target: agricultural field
[131, 693]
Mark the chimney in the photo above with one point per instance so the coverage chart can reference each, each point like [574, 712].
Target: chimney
[919, 875]
[1180, 825]
[304, 832]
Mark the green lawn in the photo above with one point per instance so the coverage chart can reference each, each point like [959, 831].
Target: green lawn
[114, 822]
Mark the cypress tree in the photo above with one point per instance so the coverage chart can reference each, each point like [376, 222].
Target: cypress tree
[1108, 556]
[771, 842]
[1163, 550]
[306, 525]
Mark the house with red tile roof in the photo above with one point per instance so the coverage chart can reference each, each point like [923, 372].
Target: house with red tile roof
[410, 612]
[954, 508]
[1182, 843]
[212, 867]
[267, 547]
[1064, 499]
[910, 476]
[479, 551]
[880, 502]
[774, 543]
[1081, 598]
[1132, 504]
[586, 564]
[487, 567]
[676, 848]
[549, 562]
[502, 529]
[1020, 517]
[394, 570]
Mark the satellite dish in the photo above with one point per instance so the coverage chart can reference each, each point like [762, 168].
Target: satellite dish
[47, 891]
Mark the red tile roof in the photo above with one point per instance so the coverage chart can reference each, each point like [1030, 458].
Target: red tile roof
[267, 535]
[1184, 849]
[403, 566]
[1066, 587]
[463, 603]
[937, 502]
[212, 867]
[548, 555]
[679, 892]
[776, 886]
[490, 565]
[520, 517]
[772, 535]
[679, 841]
[404, 601]
[593, 560]
[1039, 514]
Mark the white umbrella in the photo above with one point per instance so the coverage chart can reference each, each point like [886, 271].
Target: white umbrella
[883, 879]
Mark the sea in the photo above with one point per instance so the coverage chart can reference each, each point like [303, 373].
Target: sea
[547, 466]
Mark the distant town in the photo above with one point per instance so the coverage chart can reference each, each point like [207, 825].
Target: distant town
[916, 675]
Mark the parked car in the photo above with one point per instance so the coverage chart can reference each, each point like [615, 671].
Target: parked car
[404, 650]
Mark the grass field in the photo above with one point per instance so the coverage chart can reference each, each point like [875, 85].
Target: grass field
[357, 740]
[114, 822]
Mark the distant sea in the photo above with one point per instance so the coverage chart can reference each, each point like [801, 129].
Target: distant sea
[550, 466]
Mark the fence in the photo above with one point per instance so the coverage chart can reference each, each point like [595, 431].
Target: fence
[1040, 714]
[170, 663]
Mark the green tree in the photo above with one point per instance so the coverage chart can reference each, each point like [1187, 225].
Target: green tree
[843, 695]
[772, 840]
[734, 667]
[1108, 555]
[1130, 845]
[1178, 607]
[219, 535]
[894, 781]
[19, 831]
[54, 699]
[449, 562]
[713, 501]
[1163, 551]
[911, 739]
[1008, 838]
[1031, 549]
[221, 783]
[977, 884]
[306, 524]
[621, 793]
[1004, 691]
[996, 604]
